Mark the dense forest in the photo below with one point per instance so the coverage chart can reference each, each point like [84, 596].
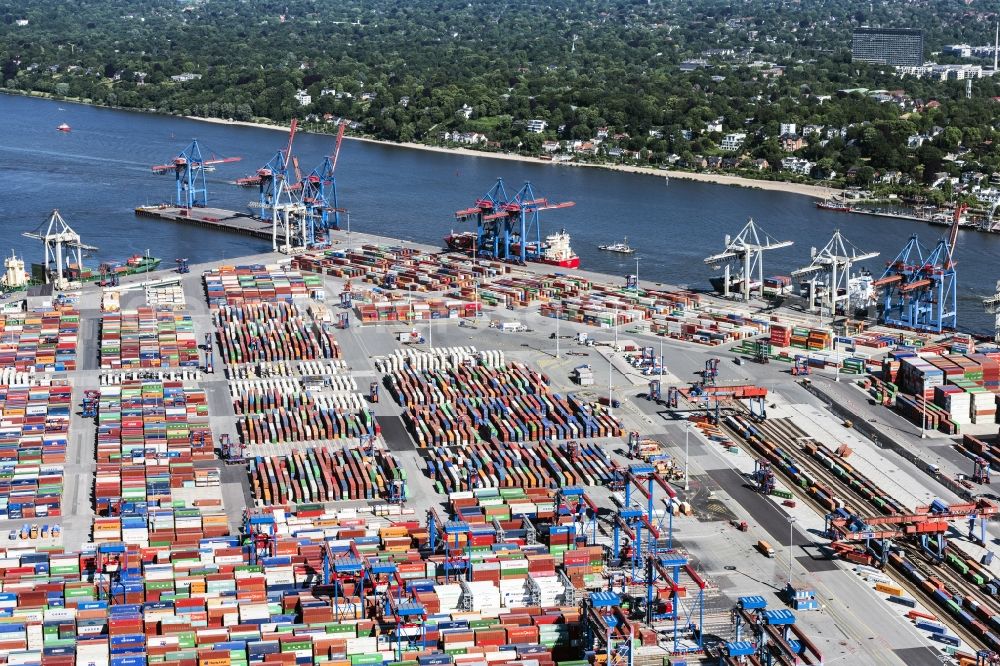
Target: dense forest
[658, 82]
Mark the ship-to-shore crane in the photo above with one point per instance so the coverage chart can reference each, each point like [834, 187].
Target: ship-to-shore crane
[57, 236]
[319, 189]
[746, 251]
[189, 171]
[920, 286]
[831, 267]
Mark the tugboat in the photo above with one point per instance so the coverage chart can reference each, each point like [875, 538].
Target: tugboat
[555, 248]
[620, 248]
[64, 128]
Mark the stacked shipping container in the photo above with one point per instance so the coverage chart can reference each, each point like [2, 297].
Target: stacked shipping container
[504, 403]
[34, 431]
[147, 338]
[271, 332]
[39, 341]
[258, 283]
[323, 475]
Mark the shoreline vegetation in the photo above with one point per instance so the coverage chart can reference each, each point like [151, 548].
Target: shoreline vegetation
[814, 191]
[713, 178]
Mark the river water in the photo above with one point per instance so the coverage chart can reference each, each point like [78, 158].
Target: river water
[96, 174]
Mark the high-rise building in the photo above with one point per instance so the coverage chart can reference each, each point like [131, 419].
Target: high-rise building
[890, 46]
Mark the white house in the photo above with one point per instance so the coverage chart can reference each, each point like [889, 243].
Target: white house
[303, 98]
[466, 111]
[537, 126]
[787, 128]
[796, 165]
[733, 141]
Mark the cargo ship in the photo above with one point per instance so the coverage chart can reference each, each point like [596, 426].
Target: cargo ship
[555, 248]
[137, 263]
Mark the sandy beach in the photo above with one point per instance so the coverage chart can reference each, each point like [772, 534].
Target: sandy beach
[815, 191]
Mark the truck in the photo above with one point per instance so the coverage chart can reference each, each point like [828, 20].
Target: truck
[512, 327]
[409, 337]
[765, 548]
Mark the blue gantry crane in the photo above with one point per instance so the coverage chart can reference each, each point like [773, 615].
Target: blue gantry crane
[189, 172]
[508, 227]
[319, 190]
[273, 180]
[920, 286]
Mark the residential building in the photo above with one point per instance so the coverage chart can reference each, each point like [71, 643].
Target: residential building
[791, 142]
[692, 65]
[787, 128]
[901, 47]
[327, 92]
[185, 77]
[714, 125]
[537, 126]
[466, 111]
[550, 146]
[797, 165]
[303, 98]
[733, 141]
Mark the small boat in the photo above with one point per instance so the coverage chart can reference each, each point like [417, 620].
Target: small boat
[834, 204]
[620, 248]
[64, 128]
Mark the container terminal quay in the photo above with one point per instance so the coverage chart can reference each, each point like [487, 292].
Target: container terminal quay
[360, 450]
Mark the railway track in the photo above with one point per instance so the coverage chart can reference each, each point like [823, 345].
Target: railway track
[781, 441]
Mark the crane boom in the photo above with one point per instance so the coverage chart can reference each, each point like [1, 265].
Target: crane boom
[953, 233]
[291, 139]
[336, 148]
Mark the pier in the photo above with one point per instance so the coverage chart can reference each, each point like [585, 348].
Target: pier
[212, 218]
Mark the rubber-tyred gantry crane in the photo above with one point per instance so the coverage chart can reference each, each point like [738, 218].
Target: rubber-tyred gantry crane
[189, 173]
[746, 251]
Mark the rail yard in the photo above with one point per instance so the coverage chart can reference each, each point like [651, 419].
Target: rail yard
[364, 451]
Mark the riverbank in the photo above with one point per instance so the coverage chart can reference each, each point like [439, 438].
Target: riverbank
[814, 191]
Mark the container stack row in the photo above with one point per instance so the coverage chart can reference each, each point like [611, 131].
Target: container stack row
[403, 268]
[34, 433]
[545, 465]
[324, 475]
[163, 297]
[258, 283]
[271, 332]
[523, 290]
[512, 404]
[39, 341]
[415, 310]
[153, 420]
[147, 338]
[218, 599]
[958, 389]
